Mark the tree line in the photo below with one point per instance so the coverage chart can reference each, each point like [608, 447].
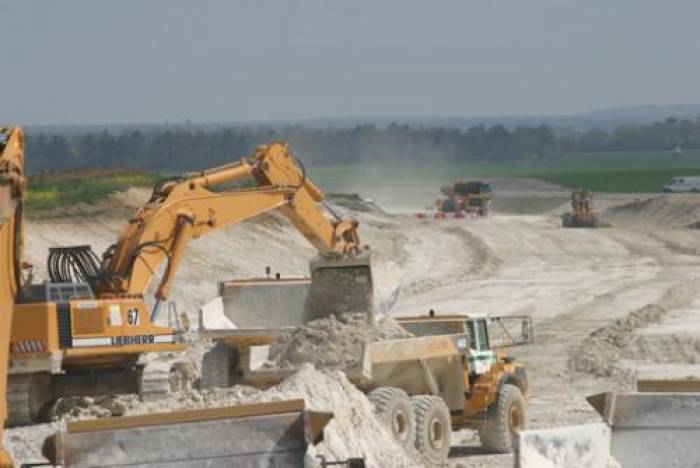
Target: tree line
[185, 148]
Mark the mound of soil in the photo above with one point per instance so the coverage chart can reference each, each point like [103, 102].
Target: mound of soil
[332, 342]
[677, 210]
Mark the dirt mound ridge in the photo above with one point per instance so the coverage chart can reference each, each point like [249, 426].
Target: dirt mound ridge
[672, 210]
[602, 351]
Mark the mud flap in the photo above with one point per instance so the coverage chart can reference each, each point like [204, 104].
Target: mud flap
[340, 286]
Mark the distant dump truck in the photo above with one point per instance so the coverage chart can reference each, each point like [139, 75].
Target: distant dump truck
[582, 213]
[447, 376]
[467, 197]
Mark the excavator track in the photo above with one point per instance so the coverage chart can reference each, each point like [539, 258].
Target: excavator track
[154, 381]
[159, 379]
[27, 394]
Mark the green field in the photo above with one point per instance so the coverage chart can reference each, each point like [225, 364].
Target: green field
[623, 171]
[61, 190]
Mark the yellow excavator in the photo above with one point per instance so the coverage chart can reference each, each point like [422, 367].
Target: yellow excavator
[85, 330]
[12, 184]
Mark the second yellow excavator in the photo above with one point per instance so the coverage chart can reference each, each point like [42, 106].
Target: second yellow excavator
[86, 329]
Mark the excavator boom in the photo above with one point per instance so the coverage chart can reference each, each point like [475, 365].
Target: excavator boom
[12, 183]
[196, 204]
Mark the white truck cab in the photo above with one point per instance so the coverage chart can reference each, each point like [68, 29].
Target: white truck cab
[683, 184]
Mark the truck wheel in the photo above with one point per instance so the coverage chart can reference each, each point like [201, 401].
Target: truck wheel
[216, 367]
[504, 419]
[433, 427]
[27, 394]
[393, 407]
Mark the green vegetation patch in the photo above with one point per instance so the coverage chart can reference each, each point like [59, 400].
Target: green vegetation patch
[56, 190]
[610, 171]
[617, 181]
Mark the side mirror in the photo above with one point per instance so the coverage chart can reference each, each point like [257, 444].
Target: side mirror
[511, 330]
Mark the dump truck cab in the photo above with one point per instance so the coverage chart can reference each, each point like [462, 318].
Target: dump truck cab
[482, 354]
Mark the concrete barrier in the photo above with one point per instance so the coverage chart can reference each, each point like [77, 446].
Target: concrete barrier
[584, 446]
[246, 436]
[650, 430]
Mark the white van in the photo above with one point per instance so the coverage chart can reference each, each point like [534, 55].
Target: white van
[683, 184]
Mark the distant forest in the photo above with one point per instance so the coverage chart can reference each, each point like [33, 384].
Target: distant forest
[184, 148]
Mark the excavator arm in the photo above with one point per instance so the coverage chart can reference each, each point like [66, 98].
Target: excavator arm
[196, 204]
[12, 185]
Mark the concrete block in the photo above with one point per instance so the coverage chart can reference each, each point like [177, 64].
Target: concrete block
[584, 446]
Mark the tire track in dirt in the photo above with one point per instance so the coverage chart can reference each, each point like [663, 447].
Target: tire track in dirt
[465, 254]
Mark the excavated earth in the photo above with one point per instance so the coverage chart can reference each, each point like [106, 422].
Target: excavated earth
[335, 342]
[608, 304]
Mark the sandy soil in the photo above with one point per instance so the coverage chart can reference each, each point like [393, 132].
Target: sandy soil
[606, 302]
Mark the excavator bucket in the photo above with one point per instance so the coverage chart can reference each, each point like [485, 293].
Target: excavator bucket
[340, 286]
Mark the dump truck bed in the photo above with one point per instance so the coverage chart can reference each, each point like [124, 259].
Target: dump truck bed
[255, 311]
[418, 365]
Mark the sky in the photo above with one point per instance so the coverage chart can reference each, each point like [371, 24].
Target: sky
[152, 61]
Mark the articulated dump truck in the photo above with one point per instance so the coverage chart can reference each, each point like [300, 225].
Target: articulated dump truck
[448, 375]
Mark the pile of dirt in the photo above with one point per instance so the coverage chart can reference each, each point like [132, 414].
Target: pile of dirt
[603, 349]
[332, 342]
[671, 211]
[602, 352]
[354, 430]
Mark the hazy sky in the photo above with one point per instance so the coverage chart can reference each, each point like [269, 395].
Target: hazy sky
[151, 61]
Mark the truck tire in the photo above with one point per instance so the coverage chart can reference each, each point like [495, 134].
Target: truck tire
[504, 419]
[394, 409]
[216, 367]
[433, 428]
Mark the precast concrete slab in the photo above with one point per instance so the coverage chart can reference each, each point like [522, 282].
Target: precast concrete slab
[247, 436]
[652, 429]
[583, 446]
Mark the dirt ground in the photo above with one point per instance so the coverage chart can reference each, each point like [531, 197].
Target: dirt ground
[607, 303]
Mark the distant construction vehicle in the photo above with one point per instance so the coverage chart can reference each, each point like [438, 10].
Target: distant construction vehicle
[682, 184]
[85, 331]
[448, 375]
[472, 197]
[582, 214]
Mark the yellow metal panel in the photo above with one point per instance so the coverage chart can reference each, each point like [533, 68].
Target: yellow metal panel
[87, 321]
[36, 322]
